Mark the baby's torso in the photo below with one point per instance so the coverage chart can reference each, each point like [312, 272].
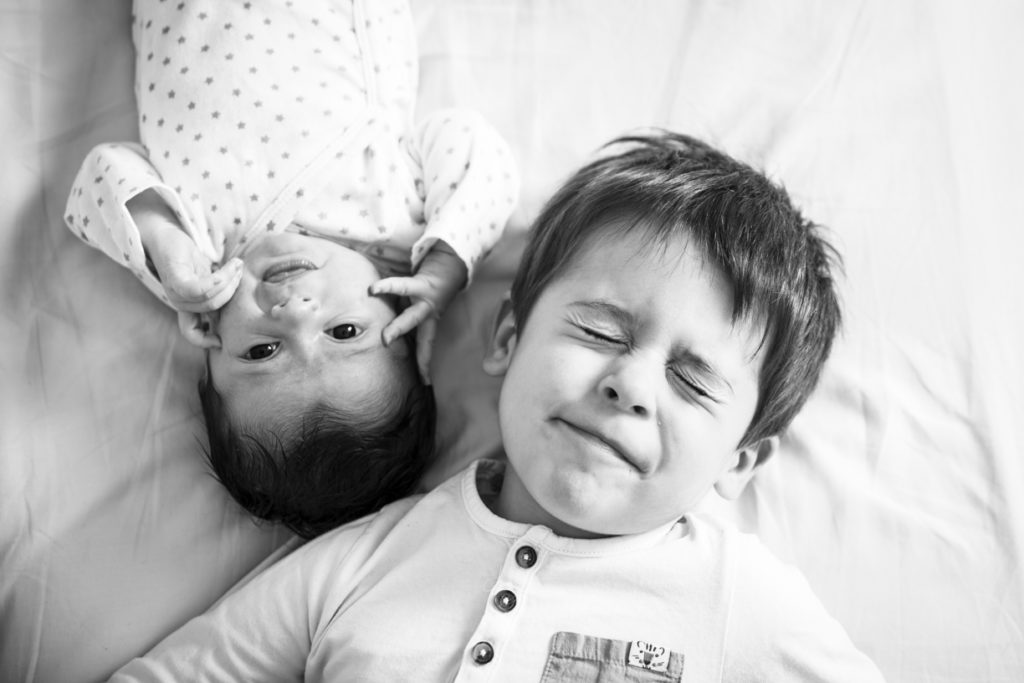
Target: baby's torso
[293, 110]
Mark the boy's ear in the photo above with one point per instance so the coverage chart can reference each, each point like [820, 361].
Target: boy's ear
[731, 483]
[198, 330]
[503, 340]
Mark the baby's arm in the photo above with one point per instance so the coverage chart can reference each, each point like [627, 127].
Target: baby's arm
[470, 189]
[119, 205]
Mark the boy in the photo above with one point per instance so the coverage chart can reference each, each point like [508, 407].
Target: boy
[279, 178]
[671, 314]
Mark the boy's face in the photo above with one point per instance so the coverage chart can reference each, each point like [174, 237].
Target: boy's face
[628, 391]
[301, 330]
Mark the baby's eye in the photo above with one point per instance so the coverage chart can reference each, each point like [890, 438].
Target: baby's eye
[344, 331]
[261, 351]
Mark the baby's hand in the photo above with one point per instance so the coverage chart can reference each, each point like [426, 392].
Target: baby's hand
[439, 278]
[191, 281]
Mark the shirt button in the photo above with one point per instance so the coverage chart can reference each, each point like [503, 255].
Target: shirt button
[526, 557]
[482, 652]
[505, 601]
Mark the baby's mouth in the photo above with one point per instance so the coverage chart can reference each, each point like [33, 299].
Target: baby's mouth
[282, 272]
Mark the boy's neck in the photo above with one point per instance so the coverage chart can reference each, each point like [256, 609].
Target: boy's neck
[514, 503]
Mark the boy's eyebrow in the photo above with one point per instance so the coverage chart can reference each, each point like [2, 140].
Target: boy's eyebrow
[606, 308]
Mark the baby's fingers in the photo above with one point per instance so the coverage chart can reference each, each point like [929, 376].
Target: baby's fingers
[410, 287]
[225, 281]
[199, 294]
[425, 346]
[406, 321]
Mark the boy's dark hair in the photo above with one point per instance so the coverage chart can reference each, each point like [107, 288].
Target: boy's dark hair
[329, 471]
[777, 261]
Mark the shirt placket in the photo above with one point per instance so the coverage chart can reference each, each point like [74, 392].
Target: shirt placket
[506, 602]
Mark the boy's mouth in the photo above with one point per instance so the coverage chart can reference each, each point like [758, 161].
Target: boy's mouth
[281, 272]
[605, 442]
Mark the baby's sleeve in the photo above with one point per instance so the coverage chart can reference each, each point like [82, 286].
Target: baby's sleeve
[97, 210]
[471, 184]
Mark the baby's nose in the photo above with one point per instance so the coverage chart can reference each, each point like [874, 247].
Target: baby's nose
[294, 306]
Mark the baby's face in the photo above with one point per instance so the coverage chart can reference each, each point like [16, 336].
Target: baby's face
[302, 329]
[627, 393]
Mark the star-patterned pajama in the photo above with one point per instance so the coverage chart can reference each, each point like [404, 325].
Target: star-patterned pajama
[258, 117]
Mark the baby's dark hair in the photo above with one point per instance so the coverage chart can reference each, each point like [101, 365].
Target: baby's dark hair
[672, 186]
[330, 469]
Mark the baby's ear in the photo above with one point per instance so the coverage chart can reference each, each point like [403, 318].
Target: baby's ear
[198, 330]
[745, 461]
[503, 340]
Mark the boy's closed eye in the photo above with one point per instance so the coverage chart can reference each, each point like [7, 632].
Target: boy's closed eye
[691, 385]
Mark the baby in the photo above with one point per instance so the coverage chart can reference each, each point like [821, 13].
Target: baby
[671, 315]
[282, 201]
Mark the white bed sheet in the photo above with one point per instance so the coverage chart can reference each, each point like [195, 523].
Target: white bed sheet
[899, 491]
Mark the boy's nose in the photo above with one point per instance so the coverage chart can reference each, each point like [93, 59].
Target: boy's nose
[627, 388]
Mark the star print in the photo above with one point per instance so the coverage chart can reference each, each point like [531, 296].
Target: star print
[254, 197]
[215, 114]
[229, 185]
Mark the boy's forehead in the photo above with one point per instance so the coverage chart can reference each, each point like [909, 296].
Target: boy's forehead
[637, 244]
[596, 263]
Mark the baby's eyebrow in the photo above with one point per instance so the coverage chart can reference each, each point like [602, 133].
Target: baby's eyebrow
[606, 309]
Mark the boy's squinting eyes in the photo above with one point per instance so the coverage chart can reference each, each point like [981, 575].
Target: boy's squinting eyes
[627, 391]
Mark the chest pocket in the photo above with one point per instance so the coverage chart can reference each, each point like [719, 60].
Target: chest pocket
[576, 658]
